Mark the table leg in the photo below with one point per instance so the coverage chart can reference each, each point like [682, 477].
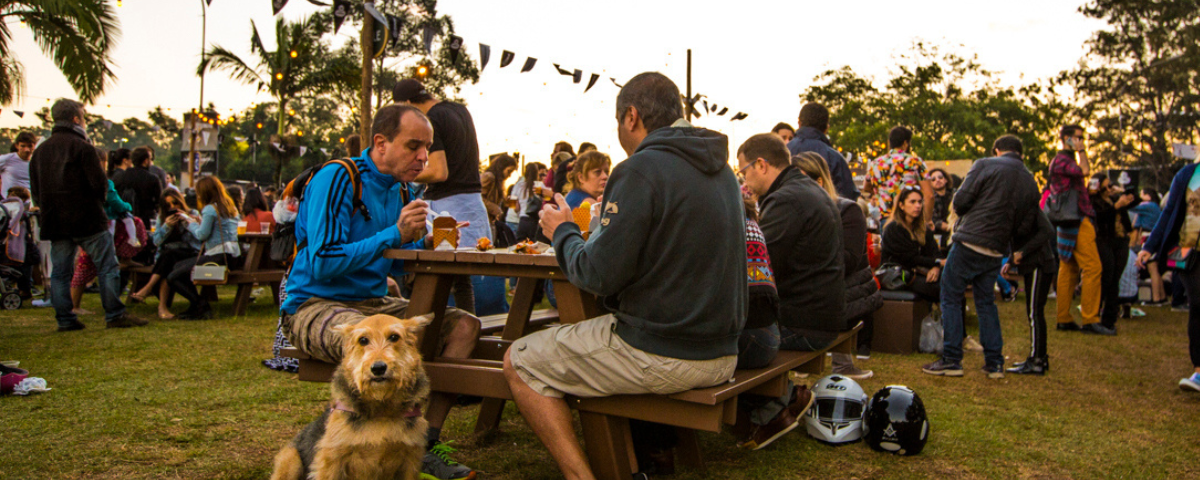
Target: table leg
[429, 295]
[689, 449]
[514, 328]
[609, 445]
[574, 305]
[242, 299]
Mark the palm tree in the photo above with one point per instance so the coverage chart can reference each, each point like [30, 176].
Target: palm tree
[302, 66]
[80, 35]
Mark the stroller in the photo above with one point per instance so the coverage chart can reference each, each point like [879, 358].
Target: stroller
[17, 246]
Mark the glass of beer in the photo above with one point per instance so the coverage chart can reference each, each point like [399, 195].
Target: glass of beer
[241, 228]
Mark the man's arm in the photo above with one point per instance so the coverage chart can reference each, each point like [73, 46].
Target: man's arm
[964, 198]
[843, 181]
[436, 170]
[608, 261]
[326, 214]
[89, 162]
[927, 196]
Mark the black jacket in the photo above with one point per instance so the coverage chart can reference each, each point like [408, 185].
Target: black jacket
[139, 187]
[68, 183]
[862, 293]
[670, 253]
[1037, 240]
[809, 139]
[996, 194]
[803, 230]
[901, 248]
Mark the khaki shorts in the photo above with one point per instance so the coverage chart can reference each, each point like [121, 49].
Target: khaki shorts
[588, 359]
[310, 329]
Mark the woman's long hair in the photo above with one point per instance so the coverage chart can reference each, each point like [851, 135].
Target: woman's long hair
[210, 191]
[164, 208]
[254, 201]
[116, 158]
[497, 166]
[915, 226]
[815, 167]
[531, 176]
[586, 162]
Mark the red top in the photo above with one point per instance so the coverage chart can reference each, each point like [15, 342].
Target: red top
[254, 219]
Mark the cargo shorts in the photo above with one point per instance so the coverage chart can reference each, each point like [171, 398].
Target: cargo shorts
[310, 329]
[588, 359]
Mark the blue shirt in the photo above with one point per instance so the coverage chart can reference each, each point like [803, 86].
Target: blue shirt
[576, 197]
[215, 231]
[342, 258]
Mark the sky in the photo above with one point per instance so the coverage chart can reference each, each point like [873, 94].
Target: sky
[752, 56]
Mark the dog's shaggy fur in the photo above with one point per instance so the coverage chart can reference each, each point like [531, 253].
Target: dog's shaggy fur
[381, 382]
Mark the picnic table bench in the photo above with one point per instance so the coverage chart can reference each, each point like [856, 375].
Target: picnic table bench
[605, 420]
[257, 269]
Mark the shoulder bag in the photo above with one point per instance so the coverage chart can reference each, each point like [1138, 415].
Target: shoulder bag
[212, 273]
[1062, 208]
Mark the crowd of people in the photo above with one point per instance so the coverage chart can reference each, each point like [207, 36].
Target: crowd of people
[786, 239]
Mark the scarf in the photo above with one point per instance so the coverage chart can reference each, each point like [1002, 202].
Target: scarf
[1066, 242]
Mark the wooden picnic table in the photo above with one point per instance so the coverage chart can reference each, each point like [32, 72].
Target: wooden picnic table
[435, 271]
[258, 268]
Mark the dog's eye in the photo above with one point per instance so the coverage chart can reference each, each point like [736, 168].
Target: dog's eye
[394, 337]
[363, 341]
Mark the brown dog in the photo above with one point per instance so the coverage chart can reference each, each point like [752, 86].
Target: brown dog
[374, 428]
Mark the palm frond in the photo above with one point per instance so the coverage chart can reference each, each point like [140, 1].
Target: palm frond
[79, 36]
[220, 58]
[12, 80]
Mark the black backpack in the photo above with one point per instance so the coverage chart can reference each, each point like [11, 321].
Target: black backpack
[283, 241]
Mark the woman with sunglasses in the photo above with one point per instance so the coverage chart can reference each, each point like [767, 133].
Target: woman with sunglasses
[908, 243]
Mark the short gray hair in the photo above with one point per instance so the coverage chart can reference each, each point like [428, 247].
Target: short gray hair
[65, 111]
[655, 97]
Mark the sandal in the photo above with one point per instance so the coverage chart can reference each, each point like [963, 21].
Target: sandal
[135, 299]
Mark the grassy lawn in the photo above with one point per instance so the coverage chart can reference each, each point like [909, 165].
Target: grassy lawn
[190, 400]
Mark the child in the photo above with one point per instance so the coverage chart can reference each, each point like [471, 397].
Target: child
[118, 209]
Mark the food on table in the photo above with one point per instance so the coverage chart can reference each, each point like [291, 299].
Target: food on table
[484, 244]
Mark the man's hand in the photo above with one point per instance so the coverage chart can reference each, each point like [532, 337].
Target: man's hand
[412, 221]
[1016, 258]
[554, 215]
[1143, 258]
[934, 273]
[1125, 199]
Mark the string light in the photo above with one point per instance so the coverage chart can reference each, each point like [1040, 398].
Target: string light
[279, 76]
[294, 54]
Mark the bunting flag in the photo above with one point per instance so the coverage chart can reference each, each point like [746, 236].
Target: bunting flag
[723, 110]
[19, 113]
[506, 57]
[705, 104]
[578, 75]
[591, 82]
[277, 147]
[394, 24]
[456, 44]
[712, 108]
[302, 150]
[615, 82]
[324, 152]
[381, 36]
[204, 134]
[277, 5]
[341, 9]
[739, 116]
[314, 2]
[427, 36]
[562, 71]
[209, 2]
[484, 53]
[529, 63]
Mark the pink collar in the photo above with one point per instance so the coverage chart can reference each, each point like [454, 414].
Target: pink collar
[415, 412]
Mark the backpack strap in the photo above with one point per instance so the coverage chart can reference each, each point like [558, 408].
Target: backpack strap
[356, 180]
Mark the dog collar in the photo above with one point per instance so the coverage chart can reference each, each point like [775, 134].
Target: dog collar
[415, 412]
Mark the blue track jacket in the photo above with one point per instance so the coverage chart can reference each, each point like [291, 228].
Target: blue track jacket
[343, 259]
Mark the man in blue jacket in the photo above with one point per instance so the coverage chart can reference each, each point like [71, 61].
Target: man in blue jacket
[340, 275]
[669, 259]
[811, 137]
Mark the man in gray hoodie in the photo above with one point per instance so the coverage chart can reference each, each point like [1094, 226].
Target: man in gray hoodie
[669, 259]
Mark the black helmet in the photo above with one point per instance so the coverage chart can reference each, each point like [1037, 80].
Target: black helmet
[895, 421]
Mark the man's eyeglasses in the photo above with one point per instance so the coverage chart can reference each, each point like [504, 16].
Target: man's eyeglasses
[741, 174]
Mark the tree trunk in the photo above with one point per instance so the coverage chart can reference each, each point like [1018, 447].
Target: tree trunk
[281, 115]
[364, 105]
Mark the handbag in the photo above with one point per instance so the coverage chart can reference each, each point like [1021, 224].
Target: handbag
[1062, 208]
[1182, 259]
[283, 242]
[892, 276]
[212, 273]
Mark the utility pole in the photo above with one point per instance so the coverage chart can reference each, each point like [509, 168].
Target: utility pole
[689, 106]
[191, 159]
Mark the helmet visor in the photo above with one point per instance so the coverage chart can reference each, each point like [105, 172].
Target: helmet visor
[838, 409]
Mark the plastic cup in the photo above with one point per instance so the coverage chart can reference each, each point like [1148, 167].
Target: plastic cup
[241, 228]
[264, 227]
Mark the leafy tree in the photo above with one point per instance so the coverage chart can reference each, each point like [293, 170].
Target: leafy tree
[1139, 84]
[80, 35]
[303, 66]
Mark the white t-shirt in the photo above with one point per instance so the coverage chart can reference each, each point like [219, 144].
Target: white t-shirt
[14, 172]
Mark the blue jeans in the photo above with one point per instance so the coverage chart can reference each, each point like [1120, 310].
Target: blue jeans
[968, 267]
[758, 346]
[104, 255]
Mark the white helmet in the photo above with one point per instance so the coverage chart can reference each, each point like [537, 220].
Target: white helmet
[837, 412]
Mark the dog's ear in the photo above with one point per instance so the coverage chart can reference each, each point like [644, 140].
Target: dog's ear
[340, 329]
[416, 324]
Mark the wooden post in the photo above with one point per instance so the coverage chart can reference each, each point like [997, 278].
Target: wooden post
[191, 159]
[689, 107]
[364, 105]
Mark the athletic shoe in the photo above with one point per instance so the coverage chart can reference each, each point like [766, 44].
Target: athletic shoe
[854, 373]
[1031, 366]
[1181, 308]
[77, 325]
[437, 465]
[775, 429]
[994, 371]
[1068, 326]
[126, 321]
[969, 343]
[1136, 312]
[1152, 303]
[1011, 296]
[864, 353]
[1190, 383]
[942, 367]
[1098, 329]
[42, 303]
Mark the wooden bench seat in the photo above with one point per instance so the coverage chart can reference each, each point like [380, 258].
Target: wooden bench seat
[494, 324]
[897, 325]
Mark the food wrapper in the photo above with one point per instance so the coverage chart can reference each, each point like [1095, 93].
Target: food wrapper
[583, 216]
[445, 233]
[529, 248]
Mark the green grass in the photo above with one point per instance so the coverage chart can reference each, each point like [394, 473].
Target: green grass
[190, 400]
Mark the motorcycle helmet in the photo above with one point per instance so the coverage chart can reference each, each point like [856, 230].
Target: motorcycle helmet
[895, 421]
[836, 414]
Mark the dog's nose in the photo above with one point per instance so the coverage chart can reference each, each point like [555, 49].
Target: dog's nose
[379, 368]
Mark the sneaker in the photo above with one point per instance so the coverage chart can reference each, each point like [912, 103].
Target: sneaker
[766, 434]
[1011, 296]
[994, 371]
[969, 343]
[1098, 329]
[1190, 383]
[1031, 366]
[126, 321]
[1181, 308]
[942, 367]
[802, 400]
[437, 465]
[43, 303]
[1152, 303]
[202, 314]
[1067, 326]
[1136, 312]
[853, 372]
[864, 353]
[73, 327]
